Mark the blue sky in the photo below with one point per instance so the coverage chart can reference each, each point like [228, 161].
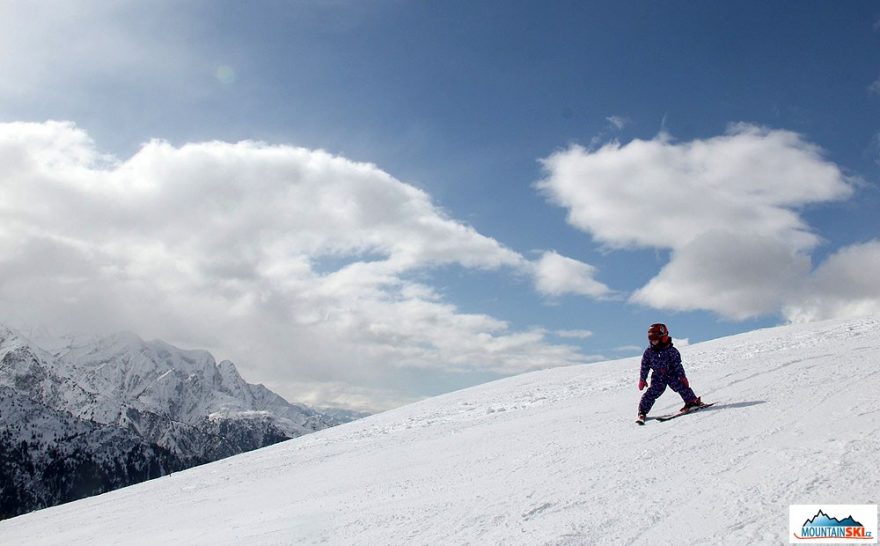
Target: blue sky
[710, 165]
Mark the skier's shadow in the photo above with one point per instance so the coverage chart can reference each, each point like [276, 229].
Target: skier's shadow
[735, 405]
[716, 406]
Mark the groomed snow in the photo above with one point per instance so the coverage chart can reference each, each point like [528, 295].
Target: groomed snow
[551, 457]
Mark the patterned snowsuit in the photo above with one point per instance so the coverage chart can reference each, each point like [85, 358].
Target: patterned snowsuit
[665, 362]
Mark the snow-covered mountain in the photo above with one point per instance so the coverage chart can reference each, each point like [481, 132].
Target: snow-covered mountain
[107, 398]
[550, 457]
[49, 457]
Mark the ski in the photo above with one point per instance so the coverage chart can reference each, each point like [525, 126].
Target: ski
[684, 412]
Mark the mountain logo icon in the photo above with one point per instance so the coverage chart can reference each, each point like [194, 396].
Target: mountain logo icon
[823, 527]
[821, 519]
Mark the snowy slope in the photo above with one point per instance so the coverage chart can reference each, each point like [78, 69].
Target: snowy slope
[551, 457]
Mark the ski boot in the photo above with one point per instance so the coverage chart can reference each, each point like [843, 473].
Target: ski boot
[695, 403]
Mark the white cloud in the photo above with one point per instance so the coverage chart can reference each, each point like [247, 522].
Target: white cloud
[618, 122]
[556, 275]
[663, 194]
[726, 207]
[735, 276]
[344, 395]
[574, 334]
[227, 246]
[874, 88]
[846, 284]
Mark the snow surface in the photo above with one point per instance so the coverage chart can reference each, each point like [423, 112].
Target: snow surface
[550, 457]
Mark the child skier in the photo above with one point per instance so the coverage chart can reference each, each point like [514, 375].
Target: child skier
[665, 361]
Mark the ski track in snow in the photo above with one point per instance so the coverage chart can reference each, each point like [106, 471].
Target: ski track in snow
[548, 458]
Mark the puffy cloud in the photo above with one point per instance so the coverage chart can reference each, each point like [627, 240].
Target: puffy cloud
[297, 264]
[727, 209]
[664, 194]
[556, 275]
[735, 276]
[846, 284]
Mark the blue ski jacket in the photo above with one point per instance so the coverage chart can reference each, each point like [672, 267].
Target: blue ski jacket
[665, 361]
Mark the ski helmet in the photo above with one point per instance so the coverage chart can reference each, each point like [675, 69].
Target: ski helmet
[658, 333]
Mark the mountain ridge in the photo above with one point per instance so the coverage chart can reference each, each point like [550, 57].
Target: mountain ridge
[174, 405]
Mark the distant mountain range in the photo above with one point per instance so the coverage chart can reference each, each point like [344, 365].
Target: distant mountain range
[82, 417]
[821, 519]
